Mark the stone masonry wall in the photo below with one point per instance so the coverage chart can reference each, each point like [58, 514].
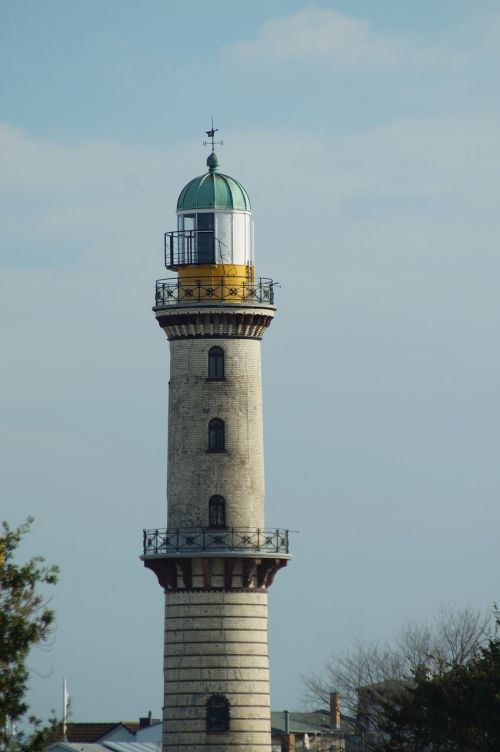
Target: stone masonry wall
[216, 643]
[194, 474]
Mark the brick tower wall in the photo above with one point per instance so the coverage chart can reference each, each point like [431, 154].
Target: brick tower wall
[194, 474]
[216, 643]
[216, 601]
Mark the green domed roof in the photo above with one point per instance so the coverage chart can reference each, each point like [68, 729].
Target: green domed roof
[213, 191]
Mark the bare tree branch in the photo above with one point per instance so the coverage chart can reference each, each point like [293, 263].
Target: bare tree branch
[367, 673]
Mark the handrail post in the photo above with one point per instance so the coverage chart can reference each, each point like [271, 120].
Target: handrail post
[258, 539]
[203, 539]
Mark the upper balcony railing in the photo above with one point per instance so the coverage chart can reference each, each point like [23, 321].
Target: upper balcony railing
[187, 247]
[228, 289]
[196, 540]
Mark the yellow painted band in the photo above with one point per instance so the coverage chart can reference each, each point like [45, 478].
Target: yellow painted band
[224, 281]
[207, 271]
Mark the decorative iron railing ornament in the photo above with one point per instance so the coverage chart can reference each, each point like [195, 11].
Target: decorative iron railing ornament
[164, 541]
[230, 290]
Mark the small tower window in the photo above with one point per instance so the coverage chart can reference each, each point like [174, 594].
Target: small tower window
[216, 363]
[217, 714]
[216, 435]
[217, 512]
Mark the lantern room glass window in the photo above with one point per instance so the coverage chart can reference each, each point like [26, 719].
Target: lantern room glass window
[232, 238]
[216, 435]
[195, 239]
[205, 239]
[216, 364]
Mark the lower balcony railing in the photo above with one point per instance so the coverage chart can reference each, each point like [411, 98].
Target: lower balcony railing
[215, 289]
[157, 542]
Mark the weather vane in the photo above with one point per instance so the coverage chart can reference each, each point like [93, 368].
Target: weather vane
[211, 135]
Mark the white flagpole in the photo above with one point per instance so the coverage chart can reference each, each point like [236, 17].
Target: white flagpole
[65, 709]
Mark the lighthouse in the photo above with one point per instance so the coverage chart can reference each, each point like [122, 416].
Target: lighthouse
[216, 559]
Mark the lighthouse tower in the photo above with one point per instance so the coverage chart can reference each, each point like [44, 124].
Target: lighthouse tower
[216, 559]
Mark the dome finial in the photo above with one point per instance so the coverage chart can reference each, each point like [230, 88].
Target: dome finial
[212, 161]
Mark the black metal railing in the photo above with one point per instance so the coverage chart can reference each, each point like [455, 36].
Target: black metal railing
[185, 247]
[225, 288]
[185, 540]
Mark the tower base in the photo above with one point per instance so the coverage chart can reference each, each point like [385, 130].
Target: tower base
[216, 653]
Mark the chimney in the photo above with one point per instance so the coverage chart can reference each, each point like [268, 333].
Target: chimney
[286, 713]
[287, 739]
[335, 710]
[145, 722]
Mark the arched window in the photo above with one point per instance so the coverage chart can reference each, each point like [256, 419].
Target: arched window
[216, 363]
[217, 512]
[216, 438]
[217, 714]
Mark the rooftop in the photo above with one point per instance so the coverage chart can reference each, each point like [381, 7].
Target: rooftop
[91, 732]
[104, 747]
[316, 722]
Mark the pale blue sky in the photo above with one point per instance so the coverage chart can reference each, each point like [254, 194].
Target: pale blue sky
[367, 135]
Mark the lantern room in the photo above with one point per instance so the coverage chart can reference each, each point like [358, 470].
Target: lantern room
[214, 225]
